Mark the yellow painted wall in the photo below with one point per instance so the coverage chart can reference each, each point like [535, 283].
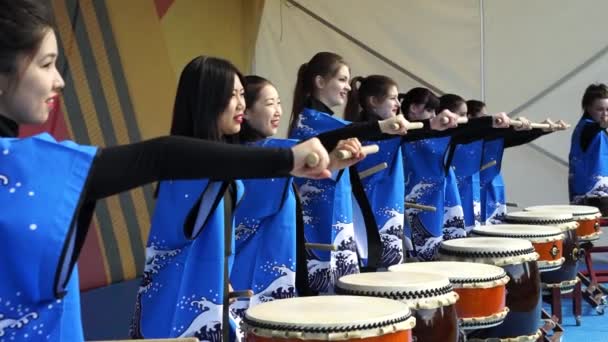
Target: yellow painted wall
[146, 62]
[225, 29]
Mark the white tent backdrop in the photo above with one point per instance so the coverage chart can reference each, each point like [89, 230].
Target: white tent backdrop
[530, 58]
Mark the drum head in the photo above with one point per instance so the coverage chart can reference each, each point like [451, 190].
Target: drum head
[497, 251]
[456, 271]
[520, 231]
[420, 289]
[328, 317]
[487, 244]
[389, 281]
[539, 216]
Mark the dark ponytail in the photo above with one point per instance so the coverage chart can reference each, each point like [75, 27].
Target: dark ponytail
[324, 64]
[352, 112]
[418, 96]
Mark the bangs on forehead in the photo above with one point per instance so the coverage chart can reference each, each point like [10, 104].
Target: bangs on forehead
[337, 67]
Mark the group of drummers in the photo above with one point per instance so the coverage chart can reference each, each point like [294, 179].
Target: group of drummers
[390, 221]
[461, 266]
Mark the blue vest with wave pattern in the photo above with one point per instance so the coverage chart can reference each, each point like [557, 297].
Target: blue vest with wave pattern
[265, 246]
[183, 279]
[41, 185]
[328, 212]
[426, 180]
[385, 191]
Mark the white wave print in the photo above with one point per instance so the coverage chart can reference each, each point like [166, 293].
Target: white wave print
[395, 221]
[15, 323]
[242, 231]
[205, 325]
[345, 239]
[308, 191]
[428, 249]
[281, 287]
[599, 189]
[391, 235]
[477, 212]
[417, 192]
[302, 126]
[498, 215]
[323, 275]
[155, 260]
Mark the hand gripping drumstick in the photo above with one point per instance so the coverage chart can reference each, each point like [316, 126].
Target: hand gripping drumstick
[369, 149]
[321, 246]
[420, 206]
[312, 159]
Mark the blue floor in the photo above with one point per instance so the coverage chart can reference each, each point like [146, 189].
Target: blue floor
[594, 327]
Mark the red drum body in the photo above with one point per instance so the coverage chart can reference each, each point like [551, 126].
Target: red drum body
[481, 288]
[518, 259]
[565, 277]
[429, 295]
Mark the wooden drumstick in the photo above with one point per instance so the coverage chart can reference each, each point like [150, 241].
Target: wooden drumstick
[395, 126]
[240, 294]
[321, 246]
[372, 170]
[487, 165]
[460, 120]
[414, 125]
[517, 124]
[369, 149]
[420, 206]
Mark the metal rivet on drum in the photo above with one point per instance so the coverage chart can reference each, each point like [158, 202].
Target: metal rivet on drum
[554, 251]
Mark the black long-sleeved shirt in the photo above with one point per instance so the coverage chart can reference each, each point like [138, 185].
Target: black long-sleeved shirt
[121, 168]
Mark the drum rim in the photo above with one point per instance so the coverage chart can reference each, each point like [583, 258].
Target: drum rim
[483, 231]
[542, 222]
[397, 294]
[487, 254]
[303, 328]
[449, 245]
[484, 322]
[456, 279]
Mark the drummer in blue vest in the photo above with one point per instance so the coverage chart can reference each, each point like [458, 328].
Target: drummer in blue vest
[588, 160]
